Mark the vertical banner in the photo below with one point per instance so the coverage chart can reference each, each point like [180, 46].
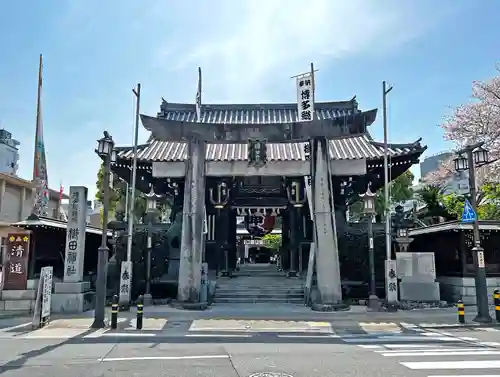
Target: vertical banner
[125, 282]
[305, 102]
[391, 280]
[46, 275]
[16, 268]
[75, 234]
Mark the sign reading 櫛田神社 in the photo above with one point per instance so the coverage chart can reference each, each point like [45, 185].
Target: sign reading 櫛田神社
[305, 98]
[75, 234]
[16, 268]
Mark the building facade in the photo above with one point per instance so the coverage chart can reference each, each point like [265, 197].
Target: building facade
[458, 183]
[258, 161]
[9, 153]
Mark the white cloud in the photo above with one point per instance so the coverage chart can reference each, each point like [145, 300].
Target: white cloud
[254, 40]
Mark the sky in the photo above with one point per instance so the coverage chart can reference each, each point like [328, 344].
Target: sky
[95, 52]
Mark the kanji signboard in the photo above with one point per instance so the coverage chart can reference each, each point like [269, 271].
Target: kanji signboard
[75, 234]
[16, 267]
[305, 97]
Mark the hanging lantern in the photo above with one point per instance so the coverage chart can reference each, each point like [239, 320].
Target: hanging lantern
[296, 195]
[480, 155]
[220, 198]
[368, 201]
[461, 163]
[105, 145]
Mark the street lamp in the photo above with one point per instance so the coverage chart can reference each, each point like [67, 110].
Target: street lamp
[151, 211]
[105, 149]
[296, 197]
[220, 199]
[369, 211]
[476, 157]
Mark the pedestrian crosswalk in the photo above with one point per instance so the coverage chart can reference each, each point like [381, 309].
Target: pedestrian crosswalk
[439, 357]
[351, 332]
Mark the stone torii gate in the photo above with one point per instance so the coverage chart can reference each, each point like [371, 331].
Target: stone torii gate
[197, 135]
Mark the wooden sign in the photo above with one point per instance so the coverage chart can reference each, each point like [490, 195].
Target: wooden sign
[16, 268]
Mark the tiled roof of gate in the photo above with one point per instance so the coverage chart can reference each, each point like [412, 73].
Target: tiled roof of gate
[347, 148]
[254, 113]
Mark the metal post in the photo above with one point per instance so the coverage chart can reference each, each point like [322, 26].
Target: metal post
[130, 215]
[461, 312]
[103, 251]
[140, 312]
[483, 315]
[114, 312]
[386, 173]
[148, 259]
[371, 257]
[496, 300]
[293, 241]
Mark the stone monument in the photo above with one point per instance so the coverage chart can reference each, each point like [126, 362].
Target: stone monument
[417, 274]
[73, 295]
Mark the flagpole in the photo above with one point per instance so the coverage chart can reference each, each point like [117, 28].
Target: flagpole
[137, 93]
[38, 118]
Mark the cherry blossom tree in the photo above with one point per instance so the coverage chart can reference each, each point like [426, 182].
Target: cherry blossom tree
[476, 121]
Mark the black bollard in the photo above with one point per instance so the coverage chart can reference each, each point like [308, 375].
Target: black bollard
[496, 300]
[461, 312]
[140, 312]
[114, 312]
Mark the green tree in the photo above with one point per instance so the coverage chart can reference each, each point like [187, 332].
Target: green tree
[400, 189]
[488, 201]
[118, 195]
[272, 241]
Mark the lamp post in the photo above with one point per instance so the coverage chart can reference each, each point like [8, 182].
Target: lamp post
[297, 199]
[105, 149]
[476, 156]
[151, 211]
[369, 211]
[220, 200]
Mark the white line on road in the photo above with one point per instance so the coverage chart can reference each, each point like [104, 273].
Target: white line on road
[369, 346]
[452, 364]
[433, 353]
[219, 335]
[307, 336]
[417, 351]
[489, 329]
[467, 375]
[138, 358]
[5, 329]
[412, 345]
[131, 334]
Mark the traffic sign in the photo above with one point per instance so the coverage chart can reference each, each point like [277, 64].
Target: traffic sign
[468, 216]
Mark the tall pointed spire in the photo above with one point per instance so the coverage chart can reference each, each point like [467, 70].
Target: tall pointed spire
[39, 161]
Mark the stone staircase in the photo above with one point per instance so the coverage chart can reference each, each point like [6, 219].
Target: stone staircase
[259, 283]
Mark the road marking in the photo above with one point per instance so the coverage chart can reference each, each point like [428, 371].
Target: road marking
[137, 358]
[131, 334]
[472, 364]
[467, 375]
[416, 351]
[433, 353]
[489, 329]
[307, 336]
[467, 338]
[411, 345]
[5, 329]
[219, 335]
[490, 344]
[369, 346]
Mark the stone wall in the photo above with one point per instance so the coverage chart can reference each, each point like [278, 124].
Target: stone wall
[458, 288]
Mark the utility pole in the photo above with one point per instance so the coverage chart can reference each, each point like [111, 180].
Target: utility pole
[391, 296]
[125, 295]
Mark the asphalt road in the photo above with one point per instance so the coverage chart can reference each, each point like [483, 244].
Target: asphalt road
[426, 353]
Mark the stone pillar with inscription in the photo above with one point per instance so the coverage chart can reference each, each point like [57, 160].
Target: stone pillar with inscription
[72, 294]
[15, 293]
[327, 252]
[193, 215]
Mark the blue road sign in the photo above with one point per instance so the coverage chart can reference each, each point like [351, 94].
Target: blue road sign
[468, 216]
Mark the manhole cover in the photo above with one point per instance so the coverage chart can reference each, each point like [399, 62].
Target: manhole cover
[270, 374]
